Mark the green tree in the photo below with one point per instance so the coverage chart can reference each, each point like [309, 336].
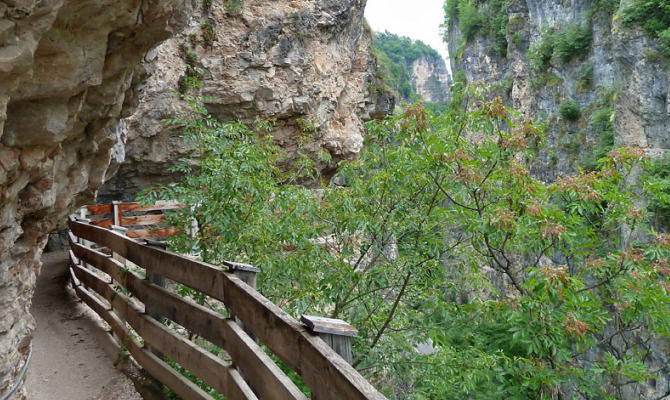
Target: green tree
[441, 235]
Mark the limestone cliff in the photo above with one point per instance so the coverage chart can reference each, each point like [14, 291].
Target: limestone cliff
[430, 79]
[596, 82]
[66, 77]
[608, 72]
[297, 63]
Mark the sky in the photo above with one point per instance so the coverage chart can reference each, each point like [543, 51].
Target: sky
[417, 19]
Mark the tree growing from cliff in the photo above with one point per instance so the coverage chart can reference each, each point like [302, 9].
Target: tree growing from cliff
[441, 239]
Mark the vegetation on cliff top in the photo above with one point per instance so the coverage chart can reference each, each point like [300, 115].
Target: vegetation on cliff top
[441, 235]
[654, 17]
[395, 55]
[483, 17]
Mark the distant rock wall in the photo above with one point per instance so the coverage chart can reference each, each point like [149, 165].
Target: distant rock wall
[623, 69]
[430, 79]
[66, 76]
[293, 62]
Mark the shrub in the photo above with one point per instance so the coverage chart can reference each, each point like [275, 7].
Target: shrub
[540, 53]
[451, 11]
[664, 41]
[233, 7]
[569, 110]
[585, 77]
[207, 31]
[657, 187]
[653, 16]
[603, 127]
[572, 42]
[469, 21]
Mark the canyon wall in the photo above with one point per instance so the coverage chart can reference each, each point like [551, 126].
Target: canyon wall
[430, 79]
[66, 77]
[620, 69]
[304, 65]
[596, 83]
[84, 88]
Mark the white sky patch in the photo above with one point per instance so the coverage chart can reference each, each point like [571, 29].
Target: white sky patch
[417, 19]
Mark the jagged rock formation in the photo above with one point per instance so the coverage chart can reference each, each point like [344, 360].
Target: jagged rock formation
[296, 63]
[66, 70]
[610, 89]
[430, 79]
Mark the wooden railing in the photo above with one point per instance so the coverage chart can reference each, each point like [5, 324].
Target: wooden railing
[99, 268]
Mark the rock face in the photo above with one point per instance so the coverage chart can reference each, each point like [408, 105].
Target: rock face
[66, 74]
[622, 70]
[300, 63]
[430, 79]
[619, 85]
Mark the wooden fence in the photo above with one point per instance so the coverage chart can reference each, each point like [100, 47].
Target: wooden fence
[129, 303]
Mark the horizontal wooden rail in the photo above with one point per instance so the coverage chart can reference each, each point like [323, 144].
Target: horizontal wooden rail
[103, 209]
[217, 373]
[155, 366]
[326, 374]
[259, 369]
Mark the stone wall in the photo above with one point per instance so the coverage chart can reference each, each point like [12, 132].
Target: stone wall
[292, 62]
[66, 76]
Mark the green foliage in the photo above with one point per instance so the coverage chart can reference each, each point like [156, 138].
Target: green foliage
[207, 31]
[603, 126]
[475, 17]
[572, 42]
[606, 6]
[233, 7]
[569, 110]
[585, 77]
[657, 185]
[653, 16]
[436, 238]
[664, 41]
[469, 20]
[541, 52]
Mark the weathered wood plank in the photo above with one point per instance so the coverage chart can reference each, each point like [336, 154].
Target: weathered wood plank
[201, 276]
[156, 367]
[211, 369]
[158, 206]
[100, 209]
[327, 374]
[262, 373]
[104, 222]
[149, 219]
[258, 368]
[151, 233]
[328, 325]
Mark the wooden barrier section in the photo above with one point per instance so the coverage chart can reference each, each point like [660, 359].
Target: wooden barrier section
[250, 373]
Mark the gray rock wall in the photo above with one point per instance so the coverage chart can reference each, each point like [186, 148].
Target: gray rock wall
[626, 69]
[66, 74]
[625, 64]
[292, 62]
[430, 79]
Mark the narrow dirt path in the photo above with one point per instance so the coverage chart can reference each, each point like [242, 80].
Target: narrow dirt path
[68, 360]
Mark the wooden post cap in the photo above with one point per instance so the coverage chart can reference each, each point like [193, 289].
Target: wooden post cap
[240, 267]
[328, 325]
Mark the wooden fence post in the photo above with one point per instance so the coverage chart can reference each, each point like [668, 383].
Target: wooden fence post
[123, 231]
[335, 332]
[247, 274]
